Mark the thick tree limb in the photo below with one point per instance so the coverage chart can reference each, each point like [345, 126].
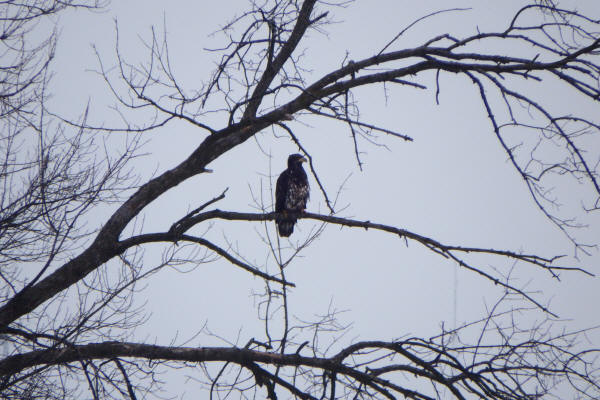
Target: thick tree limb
[241, 356]
[302, 23]
[489, 374]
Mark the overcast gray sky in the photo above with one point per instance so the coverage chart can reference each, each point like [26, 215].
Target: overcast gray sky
[453, 183]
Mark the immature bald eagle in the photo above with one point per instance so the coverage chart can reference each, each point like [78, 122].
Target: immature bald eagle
[291, 194]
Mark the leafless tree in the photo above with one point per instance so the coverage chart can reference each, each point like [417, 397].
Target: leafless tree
[68, 326]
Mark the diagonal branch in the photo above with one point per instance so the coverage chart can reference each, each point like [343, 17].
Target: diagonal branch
[176, 237]
[303, 21]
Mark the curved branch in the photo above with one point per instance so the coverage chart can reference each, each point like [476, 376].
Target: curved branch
[176, 237]
[241, 356]
[498, 370]
[446, 251]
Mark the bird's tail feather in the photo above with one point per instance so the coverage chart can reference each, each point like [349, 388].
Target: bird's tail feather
[285, 227]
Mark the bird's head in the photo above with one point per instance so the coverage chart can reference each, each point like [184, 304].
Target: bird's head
[295, 160]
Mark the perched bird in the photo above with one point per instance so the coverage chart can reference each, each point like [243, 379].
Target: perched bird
[291, 194]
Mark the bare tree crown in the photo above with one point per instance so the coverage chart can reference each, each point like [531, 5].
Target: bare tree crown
[72, 295]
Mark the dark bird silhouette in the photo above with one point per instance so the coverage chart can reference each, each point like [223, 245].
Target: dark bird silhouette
[291, 194]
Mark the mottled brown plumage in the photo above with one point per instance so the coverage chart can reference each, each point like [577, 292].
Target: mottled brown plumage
[291, 194]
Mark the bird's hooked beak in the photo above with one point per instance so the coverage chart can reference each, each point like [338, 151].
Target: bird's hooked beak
[303, 159]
